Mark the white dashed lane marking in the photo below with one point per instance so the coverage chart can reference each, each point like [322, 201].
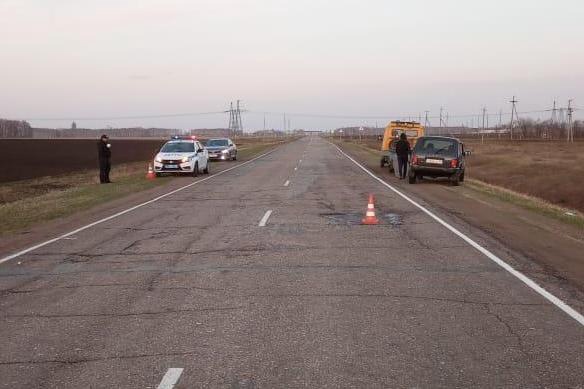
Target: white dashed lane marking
[287, 183]
[264, 220]
[170, 378]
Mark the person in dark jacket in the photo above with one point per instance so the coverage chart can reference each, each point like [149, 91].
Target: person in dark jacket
[403, 150]
[104, 154]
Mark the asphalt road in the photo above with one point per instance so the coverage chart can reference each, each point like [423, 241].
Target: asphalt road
[310, 299]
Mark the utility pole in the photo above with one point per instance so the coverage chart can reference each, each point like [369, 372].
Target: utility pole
[554, 114]
[231, 117]
[441, 120]
[235, 124]
[284, 123]
[426, 120]
[570, 122]
[264, 122]
[513, 114]
[238, 121]
[483, 131]
[561, 118]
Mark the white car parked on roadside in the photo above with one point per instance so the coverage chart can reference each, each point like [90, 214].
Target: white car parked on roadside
[185, 155]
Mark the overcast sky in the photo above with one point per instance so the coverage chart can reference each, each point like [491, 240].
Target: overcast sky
[78, 59]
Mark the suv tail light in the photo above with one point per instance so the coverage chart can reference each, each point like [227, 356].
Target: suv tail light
[454, 163]
[415, 160]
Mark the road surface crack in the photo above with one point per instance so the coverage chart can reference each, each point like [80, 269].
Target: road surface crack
[129, 314]
[508, 327]
[74, 361]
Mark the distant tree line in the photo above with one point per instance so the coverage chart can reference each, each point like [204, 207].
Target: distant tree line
[15, 129]
[524, 129]
[546, 129]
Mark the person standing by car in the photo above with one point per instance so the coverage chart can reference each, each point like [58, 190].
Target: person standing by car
[403, 150]
[104, 154]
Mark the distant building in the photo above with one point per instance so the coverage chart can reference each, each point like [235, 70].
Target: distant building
[73, 126]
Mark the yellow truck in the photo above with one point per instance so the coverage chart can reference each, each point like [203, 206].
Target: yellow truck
[413, 130]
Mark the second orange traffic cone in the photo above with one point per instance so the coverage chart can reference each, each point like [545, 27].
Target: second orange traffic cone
[370, 218]
[150, 175]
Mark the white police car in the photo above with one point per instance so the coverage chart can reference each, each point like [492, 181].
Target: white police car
[182, 155]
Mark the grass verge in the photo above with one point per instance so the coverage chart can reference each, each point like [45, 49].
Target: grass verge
[25, 203]
[49, 198]
[531, 203]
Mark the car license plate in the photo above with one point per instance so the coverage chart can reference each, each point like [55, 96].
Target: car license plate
[172, 166]
[434, 161]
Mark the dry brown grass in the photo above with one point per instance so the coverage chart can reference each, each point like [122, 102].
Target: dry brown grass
[553, 171]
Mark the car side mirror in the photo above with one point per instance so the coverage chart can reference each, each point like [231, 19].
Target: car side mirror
[199, 151]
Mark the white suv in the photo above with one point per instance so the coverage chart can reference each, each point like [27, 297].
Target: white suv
[182, 155]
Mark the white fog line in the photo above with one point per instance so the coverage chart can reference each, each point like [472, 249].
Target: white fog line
[522, 277]
[287, 183]
[264, 220]
[170, 378]
[68, 234]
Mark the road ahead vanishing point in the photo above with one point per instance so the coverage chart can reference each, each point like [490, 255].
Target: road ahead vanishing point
[264, 277]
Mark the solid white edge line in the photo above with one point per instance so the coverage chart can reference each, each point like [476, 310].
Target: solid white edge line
[28, 250]
[170, 378]
[265, 218]
[287, 183]
[522, 277]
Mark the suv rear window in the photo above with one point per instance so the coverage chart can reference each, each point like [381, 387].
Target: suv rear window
[437, 146]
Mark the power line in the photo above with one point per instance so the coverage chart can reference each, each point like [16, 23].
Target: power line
[443, 120]
[133, 117]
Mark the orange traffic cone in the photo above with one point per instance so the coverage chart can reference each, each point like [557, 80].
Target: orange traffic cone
[370, 218]
[150, 175]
